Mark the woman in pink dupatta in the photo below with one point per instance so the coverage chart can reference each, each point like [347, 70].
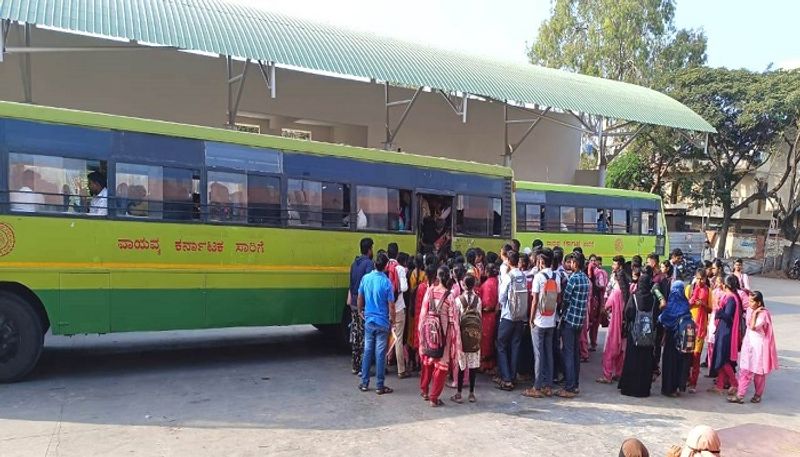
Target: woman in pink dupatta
[489, 298]
[759, 355]
[717, 292]
[434, 370]
[726, 341]
[614, 350]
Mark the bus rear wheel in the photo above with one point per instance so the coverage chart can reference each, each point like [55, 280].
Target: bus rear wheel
[21, 338]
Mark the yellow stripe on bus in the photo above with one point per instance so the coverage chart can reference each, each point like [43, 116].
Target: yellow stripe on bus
[173, 266]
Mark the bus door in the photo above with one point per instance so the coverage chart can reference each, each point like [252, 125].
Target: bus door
[435, 218]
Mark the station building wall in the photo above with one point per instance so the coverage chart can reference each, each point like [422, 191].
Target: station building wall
[190, 88]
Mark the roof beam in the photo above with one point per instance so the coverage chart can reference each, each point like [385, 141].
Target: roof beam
[458, 106]
[268, 74]
[391, 134]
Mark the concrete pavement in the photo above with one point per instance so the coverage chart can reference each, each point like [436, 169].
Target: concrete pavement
[283, 391]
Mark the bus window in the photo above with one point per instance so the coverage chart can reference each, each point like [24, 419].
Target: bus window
[619, 221]
[649, 222]
[568, 222]
[478, 216]
[179, 194]
[379, 208]
[591, 220]
[139, 191]
[39, 183]
[532, 222]
[305, 202]
[263, 200]
[227, 196]
[335, 205]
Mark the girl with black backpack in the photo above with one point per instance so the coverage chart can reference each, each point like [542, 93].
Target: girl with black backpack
[471, 327]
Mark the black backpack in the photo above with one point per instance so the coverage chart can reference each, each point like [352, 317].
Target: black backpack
[643, 331]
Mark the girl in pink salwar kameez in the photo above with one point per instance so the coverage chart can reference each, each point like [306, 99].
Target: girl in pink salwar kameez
[614, 351]
[759, 355]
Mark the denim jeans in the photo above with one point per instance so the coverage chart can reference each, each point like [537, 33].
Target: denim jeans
[570, 337]
[376, 339]
[509, 340]
[542, 356]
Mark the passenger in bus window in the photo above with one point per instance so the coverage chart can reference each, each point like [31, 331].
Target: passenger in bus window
[25, 200]
[121, 197]
[97, 189]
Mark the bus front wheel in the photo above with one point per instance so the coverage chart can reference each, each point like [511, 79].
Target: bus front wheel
[21, 338]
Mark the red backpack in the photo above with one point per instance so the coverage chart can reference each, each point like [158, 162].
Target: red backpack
[432, 335]
[391, 272]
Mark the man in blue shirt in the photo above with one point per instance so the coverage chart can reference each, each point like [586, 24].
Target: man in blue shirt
[376, 306]
[361, 266]
[576, 301]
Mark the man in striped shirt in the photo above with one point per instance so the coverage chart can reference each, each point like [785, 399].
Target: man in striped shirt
[576, 301]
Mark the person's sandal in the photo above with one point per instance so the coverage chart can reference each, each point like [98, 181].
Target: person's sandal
[736, 399]
[437, 403]
[457, 399]
[363, 387]
[603, 380]
[563, 393]
[424, 396]
[403, 375]
[384, 390]
[756, 399]
[472, 398]
[532, 393]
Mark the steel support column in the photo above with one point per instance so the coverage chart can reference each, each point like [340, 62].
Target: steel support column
[268, 74]
[5, 27]
[391, 134]
[235, 89]
[509, 148]
[25, 66]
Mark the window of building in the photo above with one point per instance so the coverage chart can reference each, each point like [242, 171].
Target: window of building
[619, 221]
[296, 134]
[263, 200]
[39, 183]
[304, 202]
[335, 205]
[139, 191]
[478, 216]
[227, 196]
[568, 219]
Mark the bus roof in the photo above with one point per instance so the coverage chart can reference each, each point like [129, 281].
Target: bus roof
[528, 185]
[113, 122]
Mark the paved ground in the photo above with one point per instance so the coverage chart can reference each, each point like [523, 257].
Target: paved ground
[258, 392]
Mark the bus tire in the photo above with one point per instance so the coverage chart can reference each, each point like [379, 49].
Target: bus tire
[339, 333]
[21, 338]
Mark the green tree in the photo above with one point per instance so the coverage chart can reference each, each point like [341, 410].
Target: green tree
[629, 171]
[753, 113]
[635, 41]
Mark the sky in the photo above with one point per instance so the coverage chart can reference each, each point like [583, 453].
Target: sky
[741, 33]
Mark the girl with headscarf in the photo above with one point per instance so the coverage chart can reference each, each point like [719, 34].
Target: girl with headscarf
[702, 441]
[633, 448]
[759, 355]
[614, 351]
[674, 364]
[726, 340]
[637, 371]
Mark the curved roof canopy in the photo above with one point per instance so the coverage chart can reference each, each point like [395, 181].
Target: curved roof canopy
[217, 27]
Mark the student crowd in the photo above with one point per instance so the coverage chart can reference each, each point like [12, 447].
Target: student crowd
[535, 314]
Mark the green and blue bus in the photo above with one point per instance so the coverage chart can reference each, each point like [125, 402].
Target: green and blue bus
[204, 228]
[605, 222]
[200, 227]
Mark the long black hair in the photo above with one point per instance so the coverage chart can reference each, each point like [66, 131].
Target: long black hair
[445, 279]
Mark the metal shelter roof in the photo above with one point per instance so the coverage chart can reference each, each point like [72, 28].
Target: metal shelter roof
[217, 27]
